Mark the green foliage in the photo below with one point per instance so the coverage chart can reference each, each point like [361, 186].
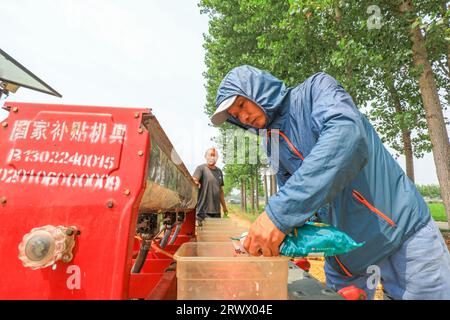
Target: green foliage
[430, 191]
[296, 38]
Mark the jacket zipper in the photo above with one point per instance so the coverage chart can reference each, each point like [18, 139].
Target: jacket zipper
[355, 193]
[342, 267]
[363, 200]
[301, 157]
[289, 143]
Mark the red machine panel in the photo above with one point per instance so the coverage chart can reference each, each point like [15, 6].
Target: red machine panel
[72, 166]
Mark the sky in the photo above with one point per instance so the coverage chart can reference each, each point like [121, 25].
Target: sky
[134, 53]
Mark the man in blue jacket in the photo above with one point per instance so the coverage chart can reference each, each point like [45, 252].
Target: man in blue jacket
[332, 163]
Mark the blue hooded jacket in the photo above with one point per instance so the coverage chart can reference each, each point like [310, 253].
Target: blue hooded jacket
[331, 162]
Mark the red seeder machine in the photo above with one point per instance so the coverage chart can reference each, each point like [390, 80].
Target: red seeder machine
[93, 200]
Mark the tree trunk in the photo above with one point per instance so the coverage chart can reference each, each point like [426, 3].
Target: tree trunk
[270, 186]
[445, 7]
[273, 184]
[448, 60]
[266, 190]
[245, 195]
[409, 156]
[256, 190]
[242, 194]
[252, 193]
[406, 134]
[433, 111]
[348, 70]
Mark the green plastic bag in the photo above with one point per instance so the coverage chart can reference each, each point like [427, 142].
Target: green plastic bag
[315, 237]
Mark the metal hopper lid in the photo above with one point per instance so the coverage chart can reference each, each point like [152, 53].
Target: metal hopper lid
[14, 75]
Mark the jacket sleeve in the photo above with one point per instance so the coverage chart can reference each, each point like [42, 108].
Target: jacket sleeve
[282, 177]
[341, 151]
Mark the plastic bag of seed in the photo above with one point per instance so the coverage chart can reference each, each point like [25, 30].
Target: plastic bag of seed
[315, 237]
[311, 238]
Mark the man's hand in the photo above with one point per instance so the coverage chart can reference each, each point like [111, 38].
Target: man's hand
[263, 237]
[197, 182]
[223, 203]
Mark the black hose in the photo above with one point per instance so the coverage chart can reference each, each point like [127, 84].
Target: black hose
[175, 234]
[167, 233]
[142, 255]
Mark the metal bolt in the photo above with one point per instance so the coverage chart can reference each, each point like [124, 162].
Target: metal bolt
[4, 124]
[126, 192]
[3, 200]
[110, 204]
[15, 109]
[136, 115]
[140, 153]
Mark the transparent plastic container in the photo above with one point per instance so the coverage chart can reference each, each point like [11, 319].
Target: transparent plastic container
[218, 235]
[213, 271]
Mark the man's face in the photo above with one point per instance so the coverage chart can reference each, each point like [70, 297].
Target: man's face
[211, 157]
[248, 113]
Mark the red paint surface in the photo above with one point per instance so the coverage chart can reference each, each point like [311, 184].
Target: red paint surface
[104, 249]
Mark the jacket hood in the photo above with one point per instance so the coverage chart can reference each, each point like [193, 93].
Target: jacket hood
[259, 86]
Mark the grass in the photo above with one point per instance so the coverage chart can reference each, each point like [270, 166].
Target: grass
[437, 211]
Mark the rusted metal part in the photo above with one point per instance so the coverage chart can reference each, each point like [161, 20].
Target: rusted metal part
[44, 246]
[169, 185]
